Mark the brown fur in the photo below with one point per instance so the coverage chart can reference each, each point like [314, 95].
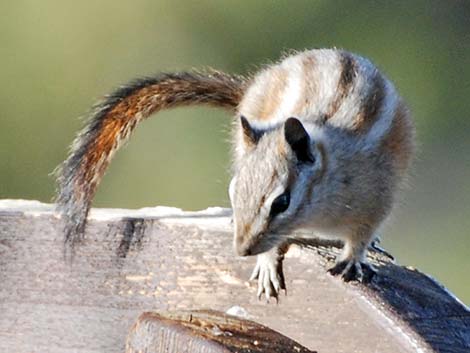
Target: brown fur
[399, 141]
[346, 81]
[371, 107]
[341, 183]
[307, 85]
[123, 118]
[275, 90]
[114, 120]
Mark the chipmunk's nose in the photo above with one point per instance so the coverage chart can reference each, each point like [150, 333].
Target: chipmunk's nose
[242, 248]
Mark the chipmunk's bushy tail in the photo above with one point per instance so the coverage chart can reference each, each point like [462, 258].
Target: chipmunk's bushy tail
[111, 124]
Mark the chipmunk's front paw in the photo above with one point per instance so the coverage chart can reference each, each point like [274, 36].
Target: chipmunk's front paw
[353, 270]
[269, 273]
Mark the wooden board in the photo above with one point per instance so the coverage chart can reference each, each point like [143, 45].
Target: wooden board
[166, 259]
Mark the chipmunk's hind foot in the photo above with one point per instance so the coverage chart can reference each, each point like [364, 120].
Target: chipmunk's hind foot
[353, 270]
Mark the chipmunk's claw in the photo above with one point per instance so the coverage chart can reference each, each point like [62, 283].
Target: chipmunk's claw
[375, 247]
[353, 270]
[269, 273]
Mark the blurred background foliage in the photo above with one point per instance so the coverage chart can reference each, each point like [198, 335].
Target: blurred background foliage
[58, 57]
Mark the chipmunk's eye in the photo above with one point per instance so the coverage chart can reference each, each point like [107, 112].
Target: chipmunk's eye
[280, 204]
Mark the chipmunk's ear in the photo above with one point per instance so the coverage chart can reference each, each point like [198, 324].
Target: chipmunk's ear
[299, 140]
[251, 136]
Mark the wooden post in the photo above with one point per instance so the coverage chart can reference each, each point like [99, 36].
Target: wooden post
[160, 259]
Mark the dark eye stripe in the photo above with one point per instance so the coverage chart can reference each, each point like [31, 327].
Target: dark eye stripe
[280, 204]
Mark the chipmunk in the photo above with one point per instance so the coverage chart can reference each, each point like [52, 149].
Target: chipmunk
[321, 142]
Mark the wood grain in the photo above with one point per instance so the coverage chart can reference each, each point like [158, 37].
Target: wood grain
[164, 259]
[205, 331]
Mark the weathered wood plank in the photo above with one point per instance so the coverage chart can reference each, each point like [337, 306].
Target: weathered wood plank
[205, 331]
[164, 259]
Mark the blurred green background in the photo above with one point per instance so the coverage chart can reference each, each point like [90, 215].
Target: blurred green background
[58, 57]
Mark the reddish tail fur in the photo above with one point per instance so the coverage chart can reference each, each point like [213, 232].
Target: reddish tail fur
[111, 124]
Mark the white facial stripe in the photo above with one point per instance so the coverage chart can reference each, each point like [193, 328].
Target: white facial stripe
[279, 190]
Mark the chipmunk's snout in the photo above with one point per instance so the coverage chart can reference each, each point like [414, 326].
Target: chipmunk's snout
[243, 250]
[243, 247]
[250, 247]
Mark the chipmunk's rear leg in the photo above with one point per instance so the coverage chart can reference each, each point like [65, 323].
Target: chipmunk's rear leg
[352, 264]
